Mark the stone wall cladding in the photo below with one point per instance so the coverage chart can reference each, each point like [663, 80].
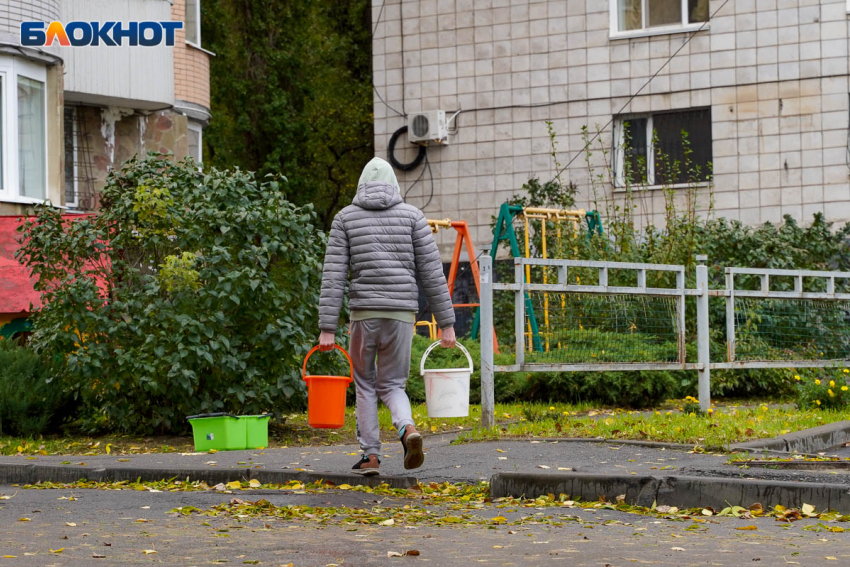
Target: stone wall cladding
[191, 65]
[774, 72]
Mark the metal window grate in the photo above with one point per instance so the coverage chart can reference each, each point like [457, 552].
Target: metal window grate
[79, 174]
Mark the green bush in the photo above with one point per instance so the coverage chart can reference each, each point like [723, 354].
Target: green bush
[30, 402]
[823, 388]
[189, 292]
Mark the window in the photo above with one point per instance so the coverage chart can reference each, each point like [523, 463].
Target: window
[193, 22]
[196, 148]
[656, 16]
[71, 189]
[31, 138]
[23, 131]
[651, 149]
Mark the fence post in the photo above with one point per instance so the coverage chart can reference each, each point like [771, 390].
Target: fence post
[703, 345]
[488, 408]
[730, 316]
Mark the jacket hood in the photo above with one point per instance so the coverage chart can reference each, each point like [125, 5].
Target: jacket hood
[378, 186]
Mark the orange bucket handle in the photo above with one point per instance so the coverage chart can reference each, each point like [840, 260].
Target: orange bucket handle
[339, 348]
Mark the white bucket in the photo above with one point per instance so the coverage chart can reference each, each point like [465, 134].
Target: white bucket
[446, 389]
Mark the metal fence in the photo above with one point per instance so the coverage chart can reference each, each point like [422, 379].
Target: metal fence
[774, 319]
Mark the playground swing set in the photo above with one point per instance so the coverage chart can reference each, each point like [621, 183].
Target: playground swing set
[504, 230]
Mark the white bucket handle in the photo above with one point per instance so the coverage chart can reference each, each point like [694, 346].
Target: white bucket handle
[430, 348]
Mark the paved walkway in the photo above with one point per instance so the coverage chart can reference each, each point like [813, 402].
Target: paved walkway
[468, 462]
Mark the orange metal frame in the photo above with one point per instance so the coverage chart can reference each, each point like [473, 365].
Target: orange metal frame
[462, 230]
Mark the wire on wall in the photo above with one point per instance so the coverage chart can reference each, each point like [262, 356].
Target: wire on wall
[372, 39]
[391, 152]
[631, 98]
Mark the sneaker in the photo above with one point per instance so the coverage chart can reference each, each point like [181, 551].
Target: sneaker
[368, 465]
[412, 443]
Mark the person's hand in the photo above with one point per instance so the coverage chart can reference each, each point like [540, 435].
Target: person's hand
[327, 341]
[447, 340]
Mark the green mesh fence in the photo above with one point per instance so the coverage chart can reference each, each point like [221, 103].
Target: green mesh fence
[598, 329]
[791, 329]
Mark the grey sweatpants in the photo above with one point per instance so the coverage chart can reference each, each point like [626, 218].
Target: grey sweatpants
[389, 341]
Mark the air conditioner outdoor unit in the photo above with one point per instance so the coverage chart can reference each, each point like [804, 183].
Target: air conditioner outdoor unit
[428, 128]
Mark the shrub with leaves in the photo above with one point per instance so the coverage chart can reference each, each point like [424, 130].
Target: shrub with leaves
[31, 403]
[189, 292]
[827, 389]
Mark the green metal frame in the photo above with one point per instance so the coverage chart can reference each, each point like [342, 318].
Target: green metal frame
[15, 326]
[504, 230]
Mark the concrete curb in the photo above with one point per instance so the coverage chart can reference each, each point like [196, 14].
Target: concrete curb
[31, 474]
[814, 440]
[633, 442]
[682, 492]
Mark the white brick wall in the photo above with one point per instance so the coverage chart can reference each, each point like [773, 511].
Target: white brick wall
[13, 12]
[775, 73]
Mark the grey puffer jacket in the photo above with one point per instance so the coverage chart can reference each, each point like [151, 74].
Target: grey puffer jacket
[387, 244]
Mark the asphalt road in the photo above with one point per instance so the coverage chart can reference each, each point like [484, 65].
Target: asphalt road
[106, 523]
[461, 463]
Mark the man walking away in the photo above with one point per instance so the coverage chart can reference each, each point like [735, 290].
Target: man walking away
[388, 246]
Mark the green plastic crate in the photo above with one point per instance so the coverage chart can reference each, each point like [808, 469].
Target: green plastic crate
[257, 430]
[219, 431]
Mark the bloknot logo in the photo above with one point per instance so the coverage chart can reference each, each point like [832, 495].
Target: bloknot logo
[110, 34]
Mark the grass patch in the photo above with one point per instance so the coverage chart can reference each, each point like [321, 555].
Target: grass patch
[714, 430]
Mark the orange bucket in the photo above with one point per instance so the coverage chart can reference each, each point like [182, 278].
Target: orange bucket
[326, 395]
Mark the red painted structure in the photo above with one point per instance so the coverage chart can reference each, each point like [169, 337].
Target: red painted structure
[16, 283]
[463, 237]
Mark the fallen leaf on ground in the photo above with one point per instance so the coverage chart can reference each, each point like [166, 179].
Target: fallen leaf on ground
[254, 483]
[677, 549]
[542, 467]
[388, 522]
[235, 485]
[747, 528]
[149, 551]
[394, 554]
[24, 520]
[69, 524]
[412, 552]
[60, 550]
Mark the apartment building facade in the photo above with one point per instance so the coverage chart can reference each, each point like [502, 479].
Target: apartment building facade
[761, 87]
[72, 114]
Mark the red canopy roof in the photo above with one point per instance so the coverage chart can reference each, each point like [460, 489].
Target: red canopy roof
[16, 284]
